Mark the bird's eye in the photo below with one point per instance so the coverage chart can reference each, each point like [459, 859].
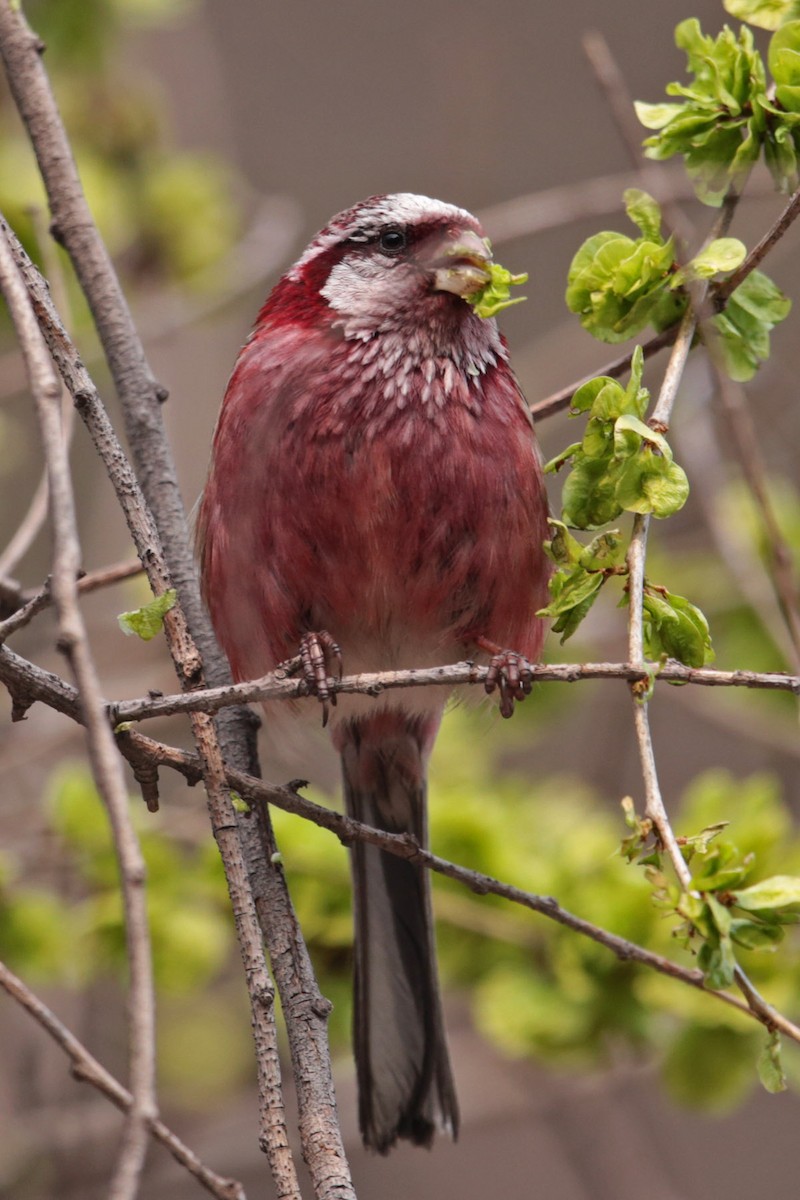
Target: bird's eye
[392, 240]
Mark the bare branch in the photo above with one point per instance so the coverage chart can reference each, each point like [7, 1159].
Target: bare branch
[140, 397]
[106, 766]
[85, 1067]
[279, 686]
[404, 846]
[723, 290]
[558, 401]
[733, 403]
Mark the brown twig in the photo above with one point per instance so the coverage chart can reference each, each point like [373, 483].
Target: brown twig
[277, 686]
[725, 289]
[733, 403]
[404, 846]
[33, 602]
[650, 174]
[558, 401]
[86, 1068]
[106, 766]
[36, 684]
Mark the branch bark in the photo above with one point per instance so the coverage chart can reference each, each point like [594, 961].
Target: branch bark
[106, 766]
[85, 1067]
[258, 893]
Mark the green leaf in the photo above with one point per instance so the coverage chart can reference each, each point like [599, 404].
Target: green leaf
[781, 891]
[630, 432]
[717, 962]
[563, 548]
[674, 627]
[656, 116]
[723, 254]
[584, 398]
[720, 122]
[494, 296]
[148, 620]
[766, 14]
[588, 498]
[644, 212]
[604, 552]
[649, 483]
[615, 282]
[555, 464]
[744, 327]
[756, 936]
[770, 1067]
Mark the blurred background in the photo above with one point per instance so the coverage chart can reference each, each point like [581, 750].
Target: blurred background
[214, 139]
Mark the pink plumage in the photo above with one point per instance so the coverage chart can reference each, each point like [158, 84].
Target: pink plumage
[375, 476]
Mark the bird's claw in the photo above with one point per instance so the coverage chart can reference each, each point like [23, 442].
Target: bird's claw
[513, 675]
[318, 654]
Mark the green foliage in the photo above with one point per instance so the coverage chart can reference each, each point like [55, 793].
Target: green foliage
[621, 465]
[148, 620]
[77, 937]
[727, 115]
[767, 14]
[675, 628]
[618, 286]
[494, 296]
[537, 989]
[617, 283]
[167, 216]
[751, 313]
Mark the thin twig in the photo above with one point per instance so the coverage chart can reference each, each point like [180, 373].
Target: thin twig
[724, 290]
[36, 514]
[405, 846]
[33, 683]
[558, 401]
[33, 602]
[278, 686]
[718, 295]
[106, 766]
[733, 403]
[274, 1137]
[650, 174]
[86, 1068]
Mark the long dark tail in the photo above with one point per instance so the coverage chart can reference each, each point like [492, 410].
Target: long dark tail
[405, 1082]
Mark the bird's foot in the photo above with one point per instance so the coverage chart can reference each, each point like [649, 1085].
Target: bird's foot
[322, 666]
[510, 672]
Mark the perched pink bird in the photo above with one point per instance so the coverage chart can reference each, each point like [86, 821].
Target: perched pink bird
[375, 486]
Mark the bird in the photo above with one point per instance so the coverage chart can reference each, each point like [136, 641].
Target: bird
[375, 499]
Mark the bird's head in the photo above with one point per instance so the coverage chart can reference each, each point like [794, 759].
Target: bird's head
[392, 261]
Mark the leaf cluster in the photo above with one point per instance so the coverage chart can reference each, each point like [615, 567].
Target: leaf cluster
[167, 215]
[495, 295]
[618, 285]
[728, 114]
[620, 465]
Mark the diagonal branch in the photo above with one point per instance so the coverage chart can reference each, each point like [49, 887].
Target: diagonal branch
[86, 1067]
[258, 883]
[404, 846]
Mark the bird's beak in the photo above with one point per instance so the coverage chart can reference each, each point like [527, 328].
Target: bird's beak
[461, 265]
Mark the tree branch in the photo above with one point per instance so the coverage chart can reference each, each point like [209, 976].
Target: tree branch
[279, 686]
[402, 845]
[86, 1068]
[140, 396]
[106, 766]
